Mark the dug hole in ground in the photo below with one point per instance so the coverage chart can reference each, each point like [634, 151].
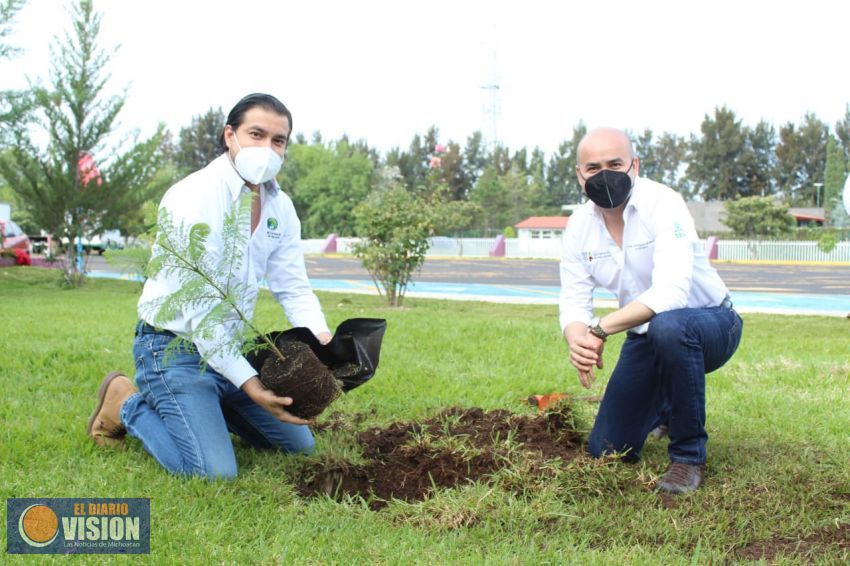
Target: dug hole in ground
[407, 460]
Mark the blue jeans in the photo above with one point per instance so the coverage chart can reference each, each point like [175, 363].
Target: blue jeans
[183, 414]
[660, 379]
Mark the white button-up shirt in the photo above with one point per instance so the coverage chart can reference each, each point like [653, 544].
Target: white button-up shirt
[273, 252]
[662, 263]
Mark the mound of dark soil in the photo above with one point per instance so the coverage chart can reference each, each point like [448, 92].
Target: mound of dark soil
[409, 459]
[301, 376]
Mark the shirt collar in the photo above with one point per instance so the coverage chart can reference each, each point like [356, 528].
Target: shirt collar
[636, 199]
[234, 182]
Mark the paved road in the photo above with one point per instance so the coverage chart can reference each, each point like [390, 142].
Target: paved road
[810, 279]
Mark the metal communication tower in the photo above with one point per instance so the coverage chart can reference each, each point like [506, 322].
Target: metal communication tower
[492, 111]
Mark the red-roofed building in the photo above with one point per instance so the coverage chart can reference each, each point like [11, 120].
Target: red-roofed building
[804, 219]
[541, 227]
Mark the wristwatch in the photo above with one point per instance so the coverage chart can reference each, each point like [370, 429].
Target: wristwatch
[596, 329]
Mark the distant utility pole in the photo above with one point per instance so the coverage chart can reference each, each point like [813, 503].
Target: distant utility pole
[492, 106]
[493, 111]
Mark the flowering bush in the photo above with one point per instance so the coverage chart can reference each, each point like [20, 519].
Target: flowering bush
[14, 257]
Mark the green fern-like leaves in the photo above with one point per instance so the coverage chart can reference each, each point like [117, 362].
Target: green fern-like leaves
[206, 266]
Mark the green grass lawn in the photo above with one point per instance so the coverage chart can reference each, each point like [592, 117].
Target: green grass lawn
[778, 417]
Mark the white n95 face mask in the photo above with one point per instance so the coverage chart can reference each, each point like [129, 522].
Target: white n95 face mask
[256, 164]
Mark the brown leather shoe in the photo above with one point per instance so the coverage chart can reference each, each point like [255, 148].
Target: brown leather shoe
[681, 478]
[105, 426]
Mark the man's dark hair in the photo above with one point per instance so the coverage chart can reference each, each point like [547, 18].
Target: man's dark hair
[237, 113]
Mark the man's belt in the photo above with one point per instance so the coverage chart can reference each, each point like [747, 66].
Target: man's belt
[144, 328]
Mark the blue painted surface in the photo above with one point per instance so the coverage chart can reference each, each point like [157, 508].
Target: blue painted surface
[745, 301]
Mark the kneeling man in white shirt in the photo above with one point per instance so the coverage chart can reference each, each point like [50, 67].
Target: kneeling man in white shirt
[636, 238]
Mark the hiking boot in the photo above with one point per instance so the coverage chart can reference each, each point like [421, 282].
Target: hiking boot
[681, 478]
[105, 426]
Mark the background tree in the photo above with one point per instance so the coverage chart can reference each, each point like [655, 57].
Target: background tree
[661, 158]
[837, 215]
[561, 184]
[326, 183]
[490, 195]
[842, 132]
[452, 172]
[198, 142]
[716, 167]
[835, 173]
[452, 217]
[759, 160]
[753, 217]
[801, 159]
[645, 149]
[670, 153]
[413, 164]
[8, 10]
[506, 199]
[475, 159]
[77, 186]
[11, 102]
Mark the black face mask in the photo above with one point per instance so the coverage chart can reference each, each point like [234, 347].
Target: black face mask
[609, 189]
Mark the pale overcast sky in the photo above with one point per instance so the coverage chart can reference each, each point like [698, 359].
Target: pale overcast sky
[384, 70]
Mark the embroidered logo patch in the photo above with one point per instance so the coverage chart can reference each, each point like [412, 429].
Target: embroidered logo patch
[678, 231]
[271, 223]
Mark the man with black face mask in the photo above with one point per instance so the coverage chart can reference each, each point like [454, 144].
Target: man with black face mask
[636, 238]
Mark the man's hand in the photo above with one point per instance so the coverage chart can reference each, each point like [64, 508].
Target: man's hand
[323, 338]
[585, 351]
[266, 399]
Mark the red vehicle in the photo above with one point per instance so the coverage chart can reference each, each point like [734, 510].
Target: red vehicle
[13, 237]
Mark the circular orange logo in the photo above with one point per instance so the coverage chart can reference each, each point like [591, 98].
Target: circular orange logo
[38, 525]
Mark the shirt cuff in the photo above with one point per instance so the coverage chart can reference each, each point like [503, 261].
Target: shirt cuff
[237, 370]
[315, 323]
[574, 315]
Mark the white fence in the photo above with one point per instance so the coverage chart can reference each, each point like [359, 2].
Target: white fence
[743, 250]
[458, 247]
[728, 250]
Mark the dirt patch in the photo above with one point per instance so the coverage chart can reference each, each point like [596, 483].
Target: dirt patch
[407, 460]
[811, 546]
[301, 376]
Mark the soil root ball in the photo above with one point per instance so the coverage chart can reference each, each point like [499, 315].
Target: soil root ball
[301, 376]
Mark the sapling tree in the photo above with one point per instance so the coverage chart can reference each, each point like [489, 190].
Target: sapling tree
[71, 176]
[207, 282]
